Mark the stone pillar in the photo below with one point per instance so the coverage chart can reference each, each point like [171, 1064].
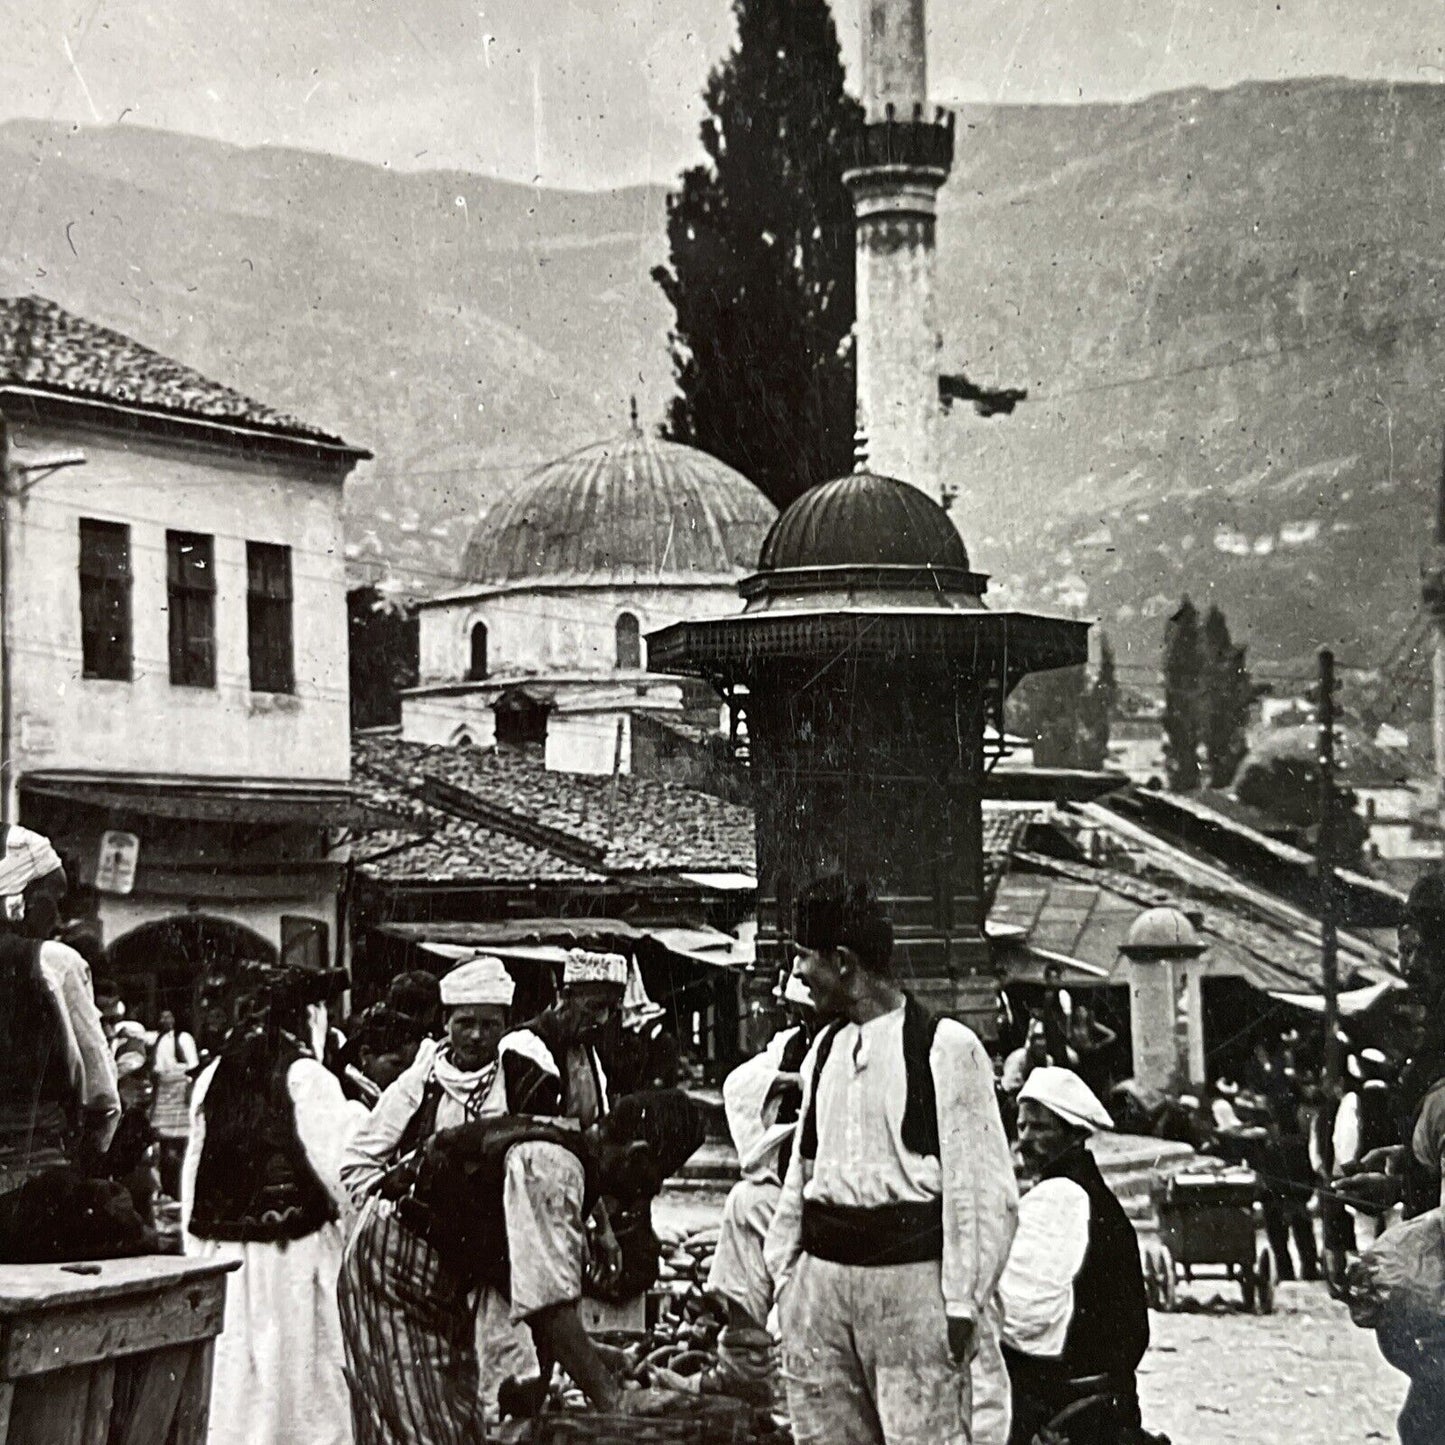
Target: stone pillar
[1153, 1007]
[899, 163]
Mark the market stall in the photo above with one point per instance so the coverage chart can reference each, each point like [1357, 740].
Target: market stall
[117, 1352]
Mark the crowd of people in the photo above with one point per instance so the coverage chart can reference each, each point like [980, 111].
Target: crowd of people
[921, 1246]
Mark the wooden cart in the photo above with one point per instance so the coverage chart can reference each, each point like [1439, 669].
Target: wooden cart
[1206, 1223]
[117, 1353]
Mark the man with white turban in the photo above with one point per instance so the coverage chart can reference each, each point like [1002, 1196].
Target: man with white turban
[1074, 1303]
[551, 1064]
[57, 1068]
[409, 1318]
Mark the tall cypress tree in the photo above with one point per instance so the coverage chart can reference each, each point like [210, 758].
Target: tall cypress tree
[384, 652]
[1226, 696]
[761, 259]
[1182, 683]
[1096, 710]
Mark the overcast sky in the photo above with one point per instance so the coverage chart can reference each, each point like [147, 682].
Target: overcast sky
[601, 92]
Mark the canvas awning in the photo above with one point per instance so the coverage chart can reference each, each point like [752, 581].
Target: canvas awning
[547, 940]
[1352, 1002]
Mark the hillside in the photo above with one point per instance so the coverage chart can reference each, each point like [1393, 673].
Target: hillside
[1225, 305]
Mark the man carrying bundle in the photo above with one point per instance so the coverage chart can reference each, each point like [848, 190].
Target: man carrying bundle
[899, 1204]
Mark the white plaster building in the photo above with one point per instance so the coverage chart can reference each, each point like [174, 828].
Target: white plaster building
[174, 649]
[565, 578]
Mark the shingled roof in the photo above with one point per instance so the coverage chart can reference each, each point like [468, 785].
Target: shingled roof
[46, 348]
[644, 827]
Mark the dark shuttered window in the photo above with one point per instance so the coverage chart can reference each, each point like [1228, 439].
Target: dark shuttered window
[268, 617]
[105, 600]
[191, 601]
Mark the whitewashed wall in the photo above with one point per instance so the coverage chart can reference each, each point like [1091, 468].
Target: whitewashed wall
[147, 725]
[538, 630]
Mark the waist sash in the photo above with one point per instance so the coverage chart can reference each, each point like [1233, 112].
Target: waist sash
[909, 1233]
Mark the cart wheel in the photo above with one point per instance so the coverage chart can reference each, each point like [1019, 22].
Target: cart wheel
[1162, 1269]
[1153, 1289]
[1265, 1275]
[1247, 1287]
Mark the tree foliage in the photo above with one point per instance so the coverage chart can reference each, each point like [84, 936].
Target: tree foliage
[761, 259]
[385, 656]
[1183, 666]
[1066, 713]
[1227, 694]
[1287, 787]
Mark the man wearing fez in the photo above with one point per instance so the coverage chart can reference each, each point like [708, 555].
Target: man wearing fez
[1074, 1303]
[899, 1204]
[58, 1096]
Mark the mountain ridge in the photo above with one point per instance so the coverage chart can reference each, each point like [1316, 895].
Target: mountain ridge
[1226, 306]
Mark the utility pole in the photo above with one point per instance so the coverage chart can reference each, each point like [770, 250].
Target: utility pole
[1325, 861]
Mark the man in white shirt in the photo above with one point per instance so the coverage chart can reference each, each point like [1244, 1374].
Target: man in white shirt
[899, 1203]
[1073, 1294]
[762, 1097]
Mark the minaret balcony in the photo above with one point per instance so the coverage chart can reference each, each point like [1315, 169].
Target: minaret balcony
[913, 143]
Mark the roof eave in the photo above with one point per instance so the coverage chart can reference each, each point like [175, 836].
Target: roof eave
[42, 404]
[1021, 642]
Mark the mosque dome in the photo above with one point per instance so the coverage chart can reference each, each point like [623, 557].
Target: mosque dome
[637, 509]
[864, 520]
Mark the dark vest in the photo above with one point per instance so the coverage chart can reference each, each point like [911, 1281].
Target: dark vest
[256, 1184]
[453, 1195]
[37, 1101]
[920, 1112]
[1110, 1328]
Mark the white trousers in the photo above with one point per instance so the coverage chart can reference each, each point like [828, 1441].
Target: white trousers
[738, 1273]
[866, 1359]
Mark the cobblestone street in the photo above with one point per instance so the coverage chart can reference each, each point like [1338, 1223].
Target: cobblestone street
[1302, 1376]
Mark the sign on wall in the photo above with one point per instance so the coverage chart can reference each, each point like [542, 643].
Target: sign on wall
[115, 869]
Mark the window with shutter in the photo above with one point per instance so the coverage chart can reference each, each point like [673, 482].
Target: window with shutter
[105, 600]
[268, 617]
[191, 600]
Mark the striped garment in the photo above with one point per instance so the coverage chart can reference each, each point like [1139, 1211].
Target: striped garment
[409, 1327]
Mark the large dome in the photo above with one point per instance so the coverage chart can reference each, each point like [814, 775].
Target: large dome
[863, 520]
[634, 510]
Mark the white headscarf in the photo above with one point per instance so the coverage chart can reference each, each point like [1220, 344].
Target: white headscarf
[1063, 1092]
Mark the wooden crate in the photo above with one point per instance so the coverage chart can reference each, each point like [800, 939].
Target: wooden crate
[117, 1352]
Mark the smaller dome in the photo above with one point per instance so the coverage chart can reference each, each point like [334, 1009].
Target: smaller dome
[1162, 933]
[863, 520]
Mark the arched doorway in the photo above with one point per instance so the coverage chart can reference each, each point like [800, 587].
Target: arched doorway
[629, 642]
[177, 963]
[477, 666]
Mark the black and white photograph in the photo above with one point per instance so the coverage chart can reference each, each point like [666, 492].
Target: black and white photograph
[722, 722]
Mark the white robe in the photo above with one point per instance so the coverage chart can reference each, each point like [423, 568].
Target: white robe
[277, 1377]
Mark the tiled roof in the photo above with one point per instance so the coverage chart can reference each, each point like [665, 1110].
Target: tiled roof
[647, 827]
[463, 852]
[1003, 831]
[48, 348]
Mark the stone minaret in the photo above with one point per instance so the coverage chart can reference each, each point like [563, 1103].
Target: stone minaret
[1433, 595]
[900, 160]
